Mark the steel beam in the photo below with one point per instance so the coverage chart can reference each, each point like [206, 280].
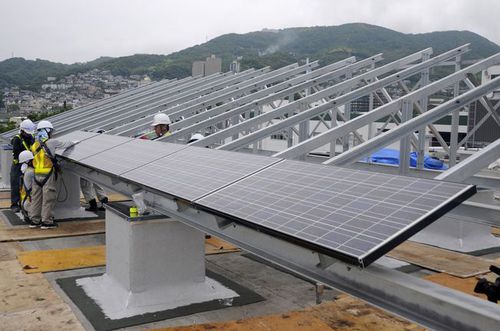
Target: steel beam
[426, 303]
[153, 93]
[474, 163]
[186, 92]
[385, 110]
[404, 129]
[104, 102]
[292, 107]
[341, 100]
[279, 91]
[202, 90]
[181, 111]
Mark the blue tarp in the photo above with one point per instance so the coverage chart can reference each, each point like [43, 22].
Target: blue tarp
[391, 156]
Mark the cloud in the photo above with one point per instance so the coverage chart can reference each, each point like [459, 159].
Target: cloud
[82, 30]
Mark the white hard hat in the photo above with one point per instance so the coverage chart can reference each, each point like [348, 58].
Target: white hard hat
[195, 137]
[44, 125]
[27, 126]
[25, 156]
[161, 119]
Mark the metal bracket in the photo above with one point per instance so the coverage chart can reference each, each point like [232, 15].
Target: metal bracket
[181, 205]
[223, 223]
[325, 261]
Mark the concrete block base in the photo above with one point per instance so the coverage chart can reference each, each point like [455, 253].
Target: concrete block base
[458, 235]
[68, 201]
[152, 265]
[117, 303]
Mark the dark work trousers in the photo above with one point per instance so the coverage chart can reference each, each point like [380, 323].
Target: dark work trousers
[15, 183]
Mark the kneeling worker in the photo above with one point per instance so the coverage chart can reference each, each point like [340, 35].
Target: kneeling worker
[20, 142]
[46, 170]
[27, 179]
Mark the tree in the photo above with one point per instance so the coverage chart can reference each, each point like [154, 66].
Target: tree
[13, 108]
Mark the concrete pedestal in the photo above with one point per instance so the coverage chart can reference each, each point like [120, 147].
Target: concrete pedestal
[152, 265]
[458, 235]
[5, 164]
[68, 200]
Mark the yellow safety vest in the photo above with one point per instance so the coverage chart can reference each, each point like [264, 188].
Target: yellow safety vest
[26, 147]
[42, 163]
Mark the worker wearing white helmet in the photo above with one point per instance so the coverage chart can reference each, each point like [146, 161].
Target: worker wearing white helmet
[27, 179]
[20, 142]
[195, 137]
[46, 169]
[161, 125]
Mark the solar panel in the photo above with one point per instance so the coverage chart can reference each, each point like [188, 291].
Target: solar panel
[353, 215]
[194, 172]
[76, 135]
[131, 155]
[93, 145]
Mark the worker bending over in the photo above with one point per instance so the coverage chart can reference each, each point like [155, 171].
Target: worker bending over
[161, 125]
[90, 191]
[20, 142]
[27, 179]
[46, 168]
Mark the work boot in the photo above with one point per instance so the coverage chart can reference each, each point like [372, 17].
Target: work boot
[103, 202]
[48, 226]
[34, 225]
[15, 208]
[92, 205]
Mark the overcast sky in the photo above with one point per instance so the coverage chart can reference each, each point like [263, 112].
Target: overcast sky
[71, 31]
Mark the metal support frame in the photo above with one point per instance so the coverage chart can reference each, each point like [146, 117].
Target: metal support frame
[455, 116]
[73, 118]
[179, 96]
[424, 302]
[292, 107]
[127, 95]
[106, 118]
[385, 110]
[406, 128]
[474, 163]
[279, 91]
[200, 104]
[422, 136]
[341, 100]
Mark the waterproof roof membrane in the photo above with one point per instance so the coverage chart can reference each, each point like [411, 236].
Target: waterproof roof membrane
[194, 172]
[353, 215]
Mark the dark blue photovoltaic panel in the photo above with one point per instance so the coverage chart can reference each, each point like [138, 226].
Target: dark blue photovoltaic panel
[194, 171]
[131, 155]
[93, 145]
[359, 215]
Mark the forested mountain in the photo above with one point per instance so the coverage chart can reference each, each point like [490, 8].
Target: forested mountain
[268, 47]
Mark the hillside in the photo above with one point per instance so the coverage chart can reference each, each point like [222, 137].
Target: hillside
[275, 48]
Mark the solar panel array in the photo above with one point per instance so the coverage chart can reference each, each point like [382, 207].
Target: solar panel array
[353, 215]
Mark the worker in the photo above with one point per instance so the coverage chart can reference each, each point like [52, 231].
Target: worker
[90, 192]
[46, 168]
[27, 178]
[195, 137]
[20, 142]
[161, 125]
